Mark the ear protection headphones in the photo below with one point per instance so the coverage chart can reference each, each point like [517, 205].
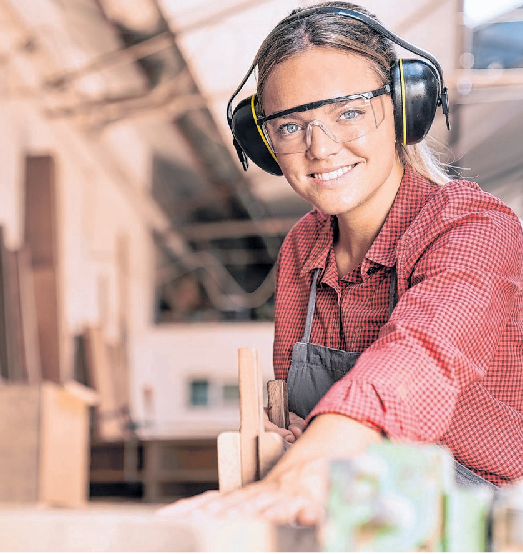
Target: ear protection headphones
[417, 89]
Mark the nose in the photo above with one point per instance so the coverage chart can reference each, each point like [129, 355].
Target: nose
[321, 142]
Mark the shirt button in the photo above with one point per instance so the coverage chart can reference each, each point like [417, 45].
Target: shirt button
[372, 270]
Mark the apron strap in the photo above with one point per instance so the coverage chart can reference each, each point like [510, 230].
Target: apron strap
[310, 308]
[393, 294]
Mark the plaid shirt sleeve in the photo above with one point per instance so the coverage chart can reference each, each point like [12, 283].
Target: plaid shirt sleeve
[447, 366]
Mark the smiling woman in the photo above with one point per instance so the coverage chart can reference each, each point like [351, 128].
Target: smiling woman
[396, 317]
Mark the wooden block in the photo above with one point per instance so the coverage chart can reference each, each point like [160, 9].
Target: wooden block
[44, 443]
[251, 412]
[229, 463]
[278, 403]
[64, 447]
[271, 447]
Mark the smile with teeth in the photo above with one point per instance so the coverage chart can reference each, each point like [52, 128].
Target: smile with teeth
[333, 174]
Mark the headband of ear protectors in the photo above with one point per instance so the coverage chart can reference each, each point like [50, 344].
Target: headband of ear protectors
[417, 89]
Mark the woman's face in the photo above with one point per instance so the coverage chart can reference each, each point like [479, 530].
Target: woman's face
[337, 178]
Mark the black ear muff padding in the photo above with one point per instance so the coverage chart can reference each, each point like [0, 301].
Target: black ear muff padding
[247, 135]
[415, 94]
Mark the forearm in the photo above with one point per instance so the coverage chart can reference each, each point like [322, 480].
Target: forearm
[327, 437]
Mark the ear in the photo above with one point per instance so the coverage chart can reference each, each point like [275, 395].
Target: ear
[250, 137]
[415, 93]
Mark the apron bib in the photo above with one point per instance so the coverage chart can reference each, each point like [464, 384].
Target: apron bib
[315, 368]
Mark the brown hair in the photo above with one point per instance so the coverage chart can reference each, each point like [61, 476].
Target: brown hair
[349, 35]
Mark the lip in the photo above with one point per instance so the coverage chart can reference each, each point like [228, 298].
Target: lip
[335, 180]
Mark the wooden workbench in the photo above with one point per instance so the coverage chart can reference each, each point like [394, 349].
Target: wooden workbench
[133, 528]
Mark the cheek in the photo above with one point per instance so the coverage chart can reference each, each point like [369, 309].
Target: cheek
[292, 168]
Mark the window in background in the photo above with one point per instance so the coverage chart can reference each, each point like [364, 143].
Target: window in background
[199, 392]
[230, 393]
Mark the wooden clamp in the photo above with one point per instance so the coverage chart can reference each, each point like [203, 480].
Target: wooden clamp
[248, 455]
[278, 403]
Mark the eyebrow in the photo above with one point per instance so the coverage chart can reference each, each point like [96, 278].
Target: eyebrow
[318, 104]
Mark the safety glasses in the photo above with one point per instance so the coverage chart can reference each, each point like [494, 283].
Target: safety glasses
[342, 119]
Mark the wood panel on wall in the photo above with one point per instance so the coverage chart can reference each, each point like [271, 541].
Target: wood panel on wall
[41, 237]
[13, 362]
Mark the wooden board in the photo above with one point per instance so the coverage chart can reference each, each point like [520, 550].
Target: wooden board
[46, 303]
[40, 236]
[44, 445]
[109, 418]
[4, 293]
[64, 448]
[251, 412]
[40, 229]
[278, 403]
[19, 440]
[33, 365]
[229, 462]
[141, 530]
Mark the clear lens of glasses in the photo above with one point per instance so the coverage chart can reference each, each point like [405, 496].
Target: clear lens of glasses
[342, 122]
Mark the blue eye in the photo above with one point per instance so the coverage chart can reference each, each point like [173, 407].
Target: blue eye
[352, 114]
[288, 129]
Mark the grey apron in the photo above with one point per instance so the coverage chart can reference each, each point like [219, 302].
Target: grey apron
[314, 369]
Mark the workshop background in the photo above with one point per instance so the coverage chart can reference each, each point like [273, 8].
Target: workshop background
[137, 256]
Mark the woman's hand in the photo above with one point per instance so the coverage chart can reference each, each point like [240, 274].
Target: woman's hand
[295, 490]
[292, 433]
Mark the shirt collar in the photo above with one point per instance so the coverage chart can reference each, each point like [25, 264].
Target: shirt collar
[412, 195]
[320, 252]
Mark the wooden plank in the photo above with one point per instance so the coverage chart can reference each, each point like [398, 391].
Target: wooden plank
[121, 350]
[118, 375]
[46, 302]
[138, 529]
[64, 447]
[41, 237]
[15, 332]
[109, 419]
[29, 317]
[40, 229]
[19, 439]
[251, 412]
[278, 403]
[4, 323]
[229, 462]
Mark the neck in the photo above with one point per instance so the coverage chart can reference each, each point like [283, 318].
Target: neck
[358, 229]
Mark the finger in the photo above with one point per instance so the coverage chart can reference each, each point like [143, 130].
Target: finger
[187, 506]
[285, 433]
[296, 420]
[288, 510]
[310, 515]
[296, 430]
[251, 505]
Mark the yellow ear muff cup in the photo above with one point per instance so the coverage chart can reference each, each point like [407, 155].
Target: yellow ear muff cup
[415, 91]
[251, 140]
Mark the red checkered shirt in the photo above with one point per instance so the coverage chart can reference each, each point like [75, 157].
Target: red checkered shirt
[447, 366]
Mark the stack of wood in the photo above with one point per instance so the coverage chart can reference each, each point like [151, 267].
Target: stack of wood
[45, 398]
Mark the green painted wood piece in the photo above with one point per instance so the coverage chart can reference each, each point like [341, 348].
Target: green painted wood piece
[402, 498]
